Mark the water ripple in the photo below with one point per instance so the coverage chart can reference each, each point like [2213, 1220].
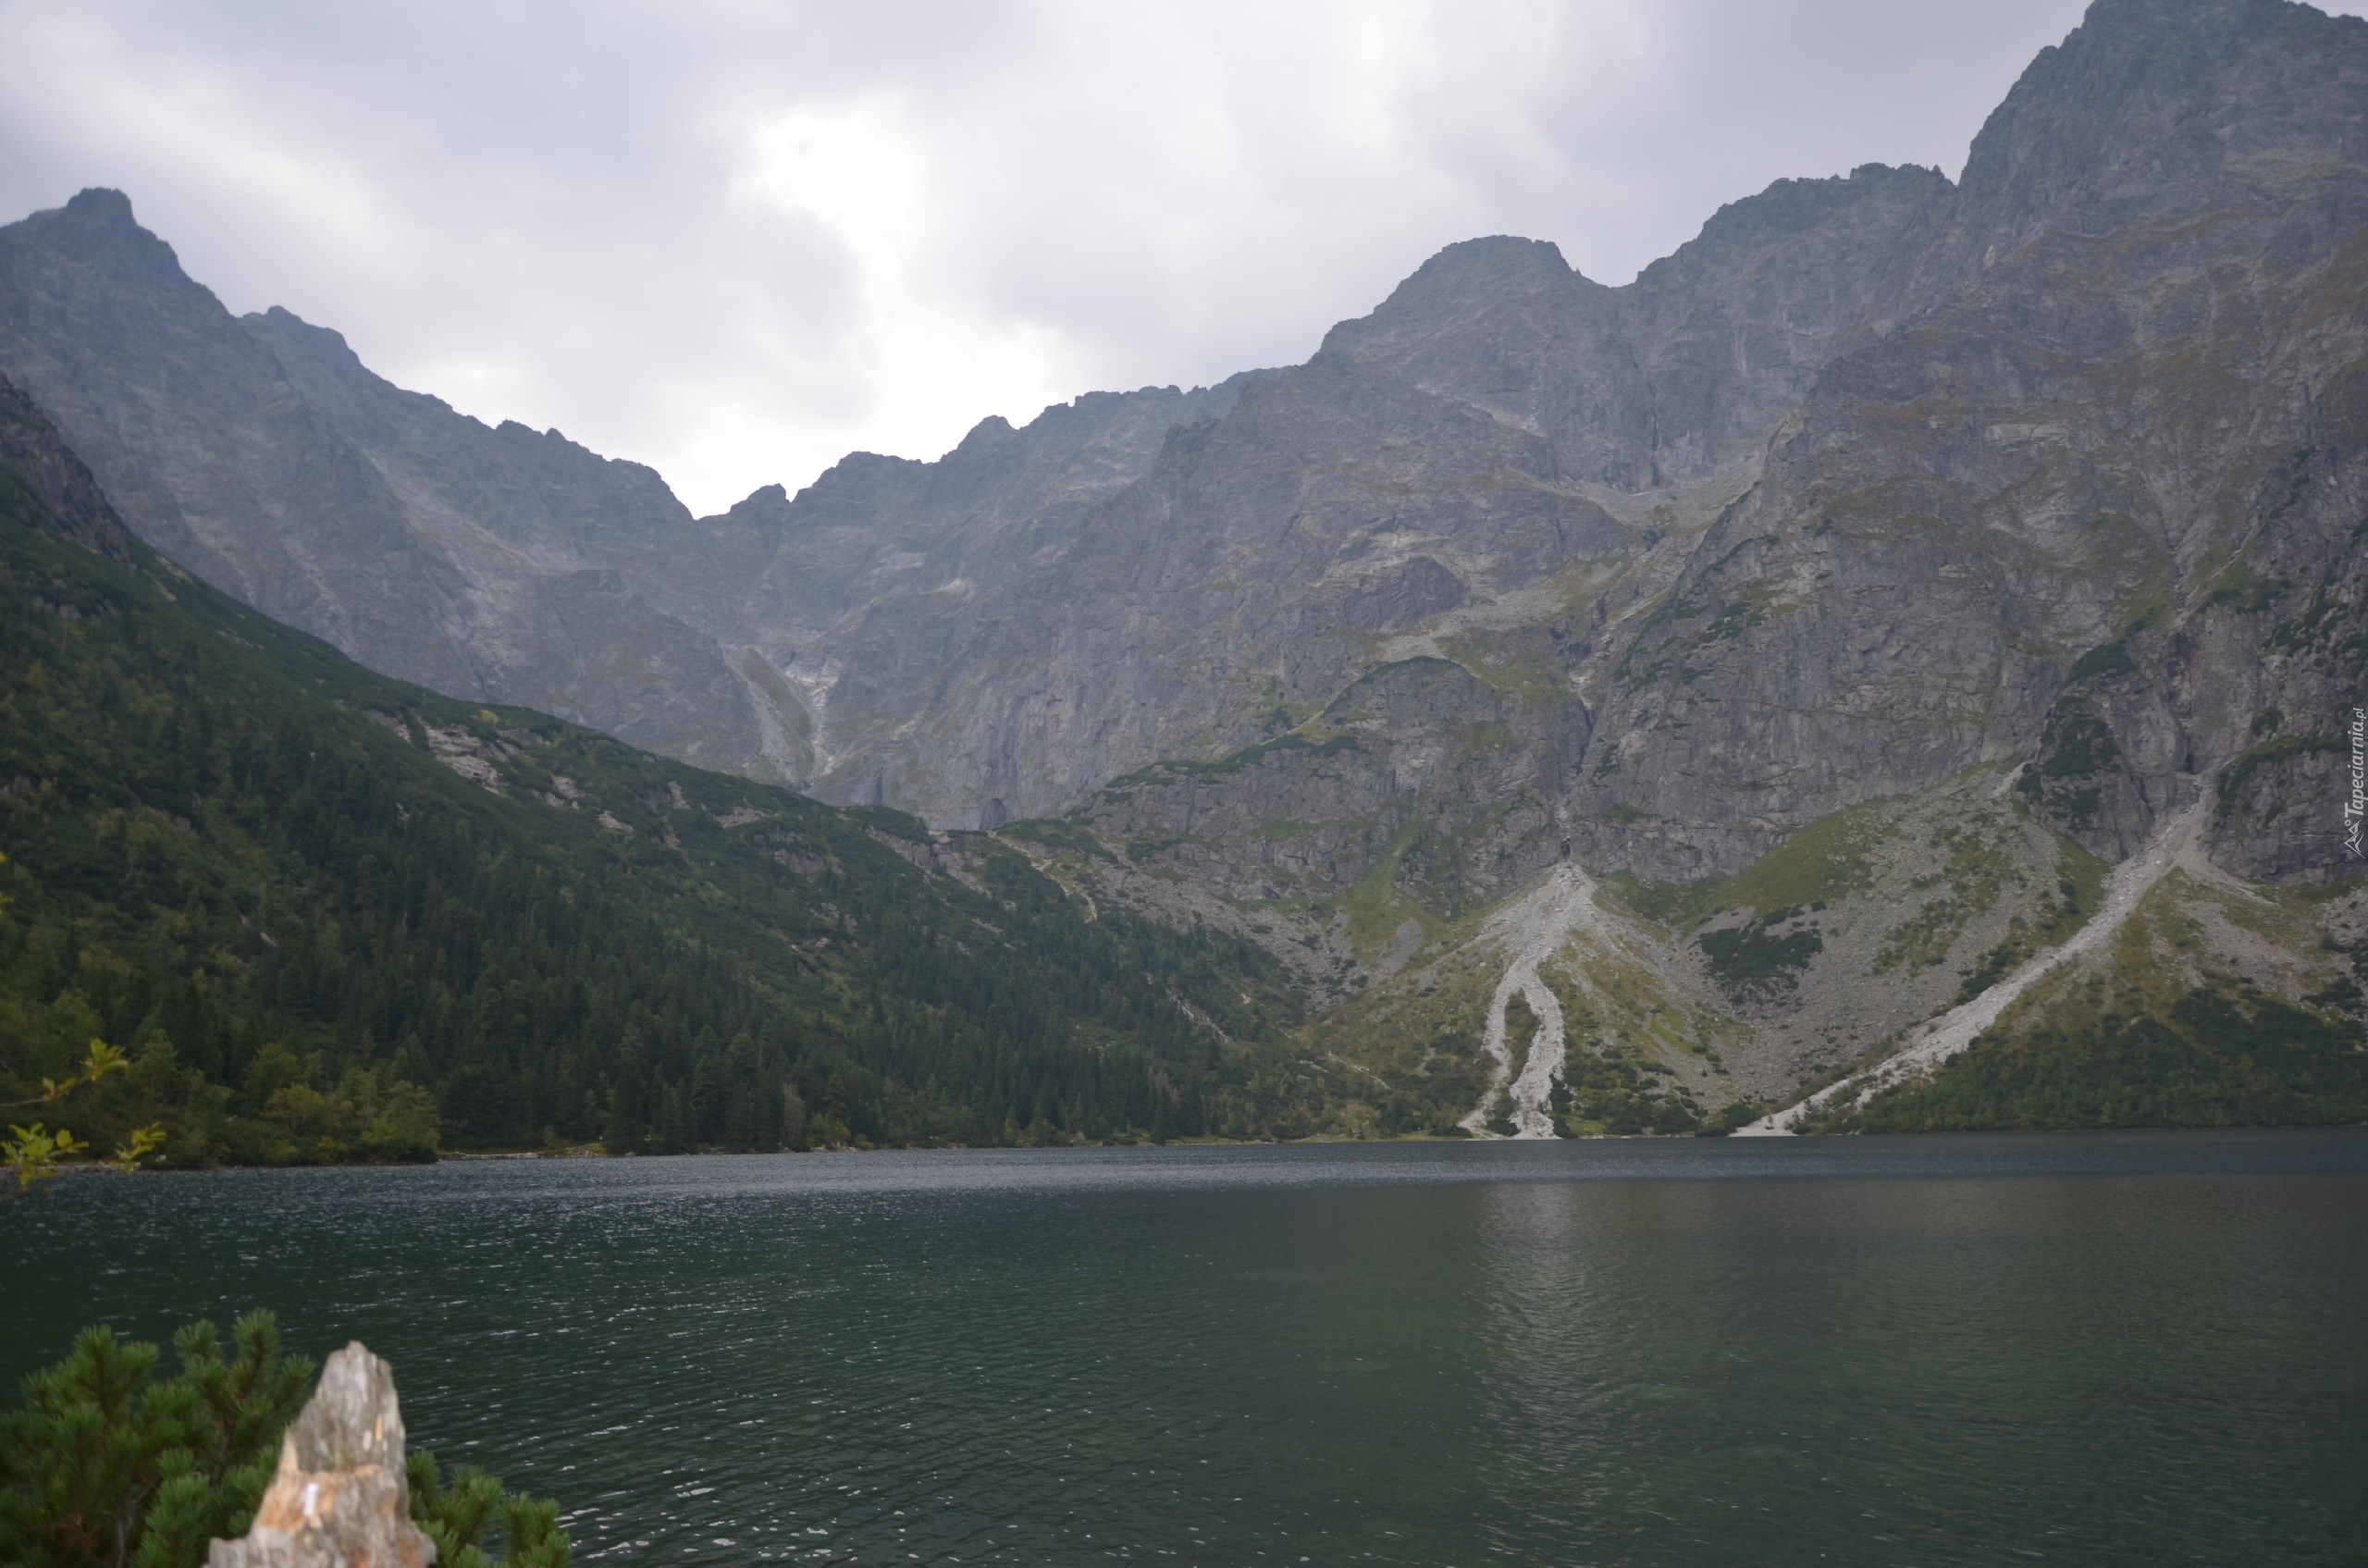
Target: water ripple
[2115, 1349]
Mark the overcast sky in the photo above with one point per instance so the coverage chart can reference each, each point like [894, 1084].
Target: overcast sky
[735, 240]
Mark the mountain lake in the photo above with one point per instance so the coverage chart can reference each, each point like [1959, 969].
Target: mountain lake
[2096, 1349]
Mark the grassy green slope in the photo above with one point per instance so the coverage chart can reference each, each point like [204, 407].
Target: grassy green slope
[2219, 1003]
[2212, 1007]
[255, 864]
[2225, 1055]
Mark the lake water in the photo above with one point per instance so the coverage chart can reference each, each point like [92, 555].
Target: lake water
[2103, 1349]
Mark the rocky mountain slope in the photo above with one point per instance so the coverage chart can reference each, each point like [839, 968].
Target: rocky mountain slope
[306, 897]
[2015, 517]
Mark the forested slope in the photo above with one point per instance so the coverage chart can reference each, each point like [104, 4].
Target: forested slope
[327, 912]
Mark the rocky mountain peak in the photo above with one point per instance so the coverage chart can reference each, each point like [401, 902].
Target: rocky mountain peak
[1467, 284]
[96, 233]
[2151, 105]
[1468, 270]
[284, 329]
[1890, 534]
[1884, 384]
[993, 428]
[1794, 210]
[764, 501]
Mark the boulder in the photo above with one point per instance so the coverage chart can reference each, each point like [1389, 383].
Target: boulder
[339, 1498]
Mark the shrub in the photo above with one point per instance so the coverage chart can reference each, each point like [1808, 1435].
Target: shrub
[106, 1467]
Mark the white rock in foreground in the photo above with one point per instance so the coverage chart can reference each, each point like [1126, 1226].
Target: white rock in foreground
[339, 1498]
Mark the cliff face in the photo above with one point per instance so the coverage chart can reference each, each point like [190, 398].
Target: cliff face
[2095, 504]
[1877, 479]
[490, 563]
[1497, 447]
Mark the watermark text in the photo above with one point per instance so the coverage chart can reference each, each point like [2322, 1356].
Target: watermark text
[2356, 807]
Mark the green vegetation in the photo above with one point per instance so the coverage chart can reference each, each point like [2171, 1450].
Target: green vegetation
[1511, 665]
[1375, 906]
[1969, 881]
[1819, 864]
[2075, 744]
[260, 870]
[1170, 771]
[1722, 1122]
[1751, 960]
[2239, 586]
[106, 1466]
[1620, 1026]
[472, 1515]
[31, 1154]
[1734, 617]
[1606, 1091]
[1058, 834]
[2079, 893]
[2225, 1055]
[1977, 868]
[2327, 627]
[1287, 830]
[2111, 659]
[1520, 1033]
[1419, 1047]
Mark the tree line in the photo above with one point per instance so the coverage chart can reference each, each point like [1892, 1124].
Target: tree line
[237, 855]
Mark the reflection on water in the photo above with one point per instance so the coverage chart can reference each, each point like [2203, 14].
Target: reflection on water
[2091, 1350]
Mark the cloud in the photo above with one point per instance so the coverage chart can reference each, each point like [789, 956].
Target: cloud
[736, 239]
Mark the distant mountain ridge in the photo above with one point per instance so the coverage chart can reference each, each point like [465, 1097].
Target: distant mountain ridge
[306, 897]
[909, 632]
[2054, 478]
[502, 565]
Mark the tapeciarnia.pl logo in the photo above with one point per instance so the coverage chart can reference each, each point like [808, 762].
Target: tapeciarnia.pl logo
[2355, 808]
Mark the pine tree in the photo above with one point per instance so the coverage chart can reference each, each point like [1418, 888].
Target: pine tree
[743, 1115]
[707, 1090]
[625, 1127]
[460, 1517]
[104, 1466]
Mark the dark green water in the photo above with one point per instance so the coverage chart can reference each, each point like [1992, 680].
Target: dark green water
[2083, 1349]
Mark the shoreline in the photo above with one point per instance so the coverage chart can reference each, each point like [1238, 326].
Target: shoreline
[89, 1169]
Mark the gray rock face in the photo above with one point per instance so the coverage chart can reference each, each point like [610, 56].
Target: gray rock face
[2063, 511]
[1421, 791]
[261, 454]
[878, 581]
[58, 478]
[1681, 374]
[1877, 479]
[340, 1498]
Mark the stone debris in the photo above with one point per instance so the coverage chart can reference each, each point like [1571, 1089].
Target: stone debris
[339, 1498]
[2172, 848]
[1532, 929]
[470, 755]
